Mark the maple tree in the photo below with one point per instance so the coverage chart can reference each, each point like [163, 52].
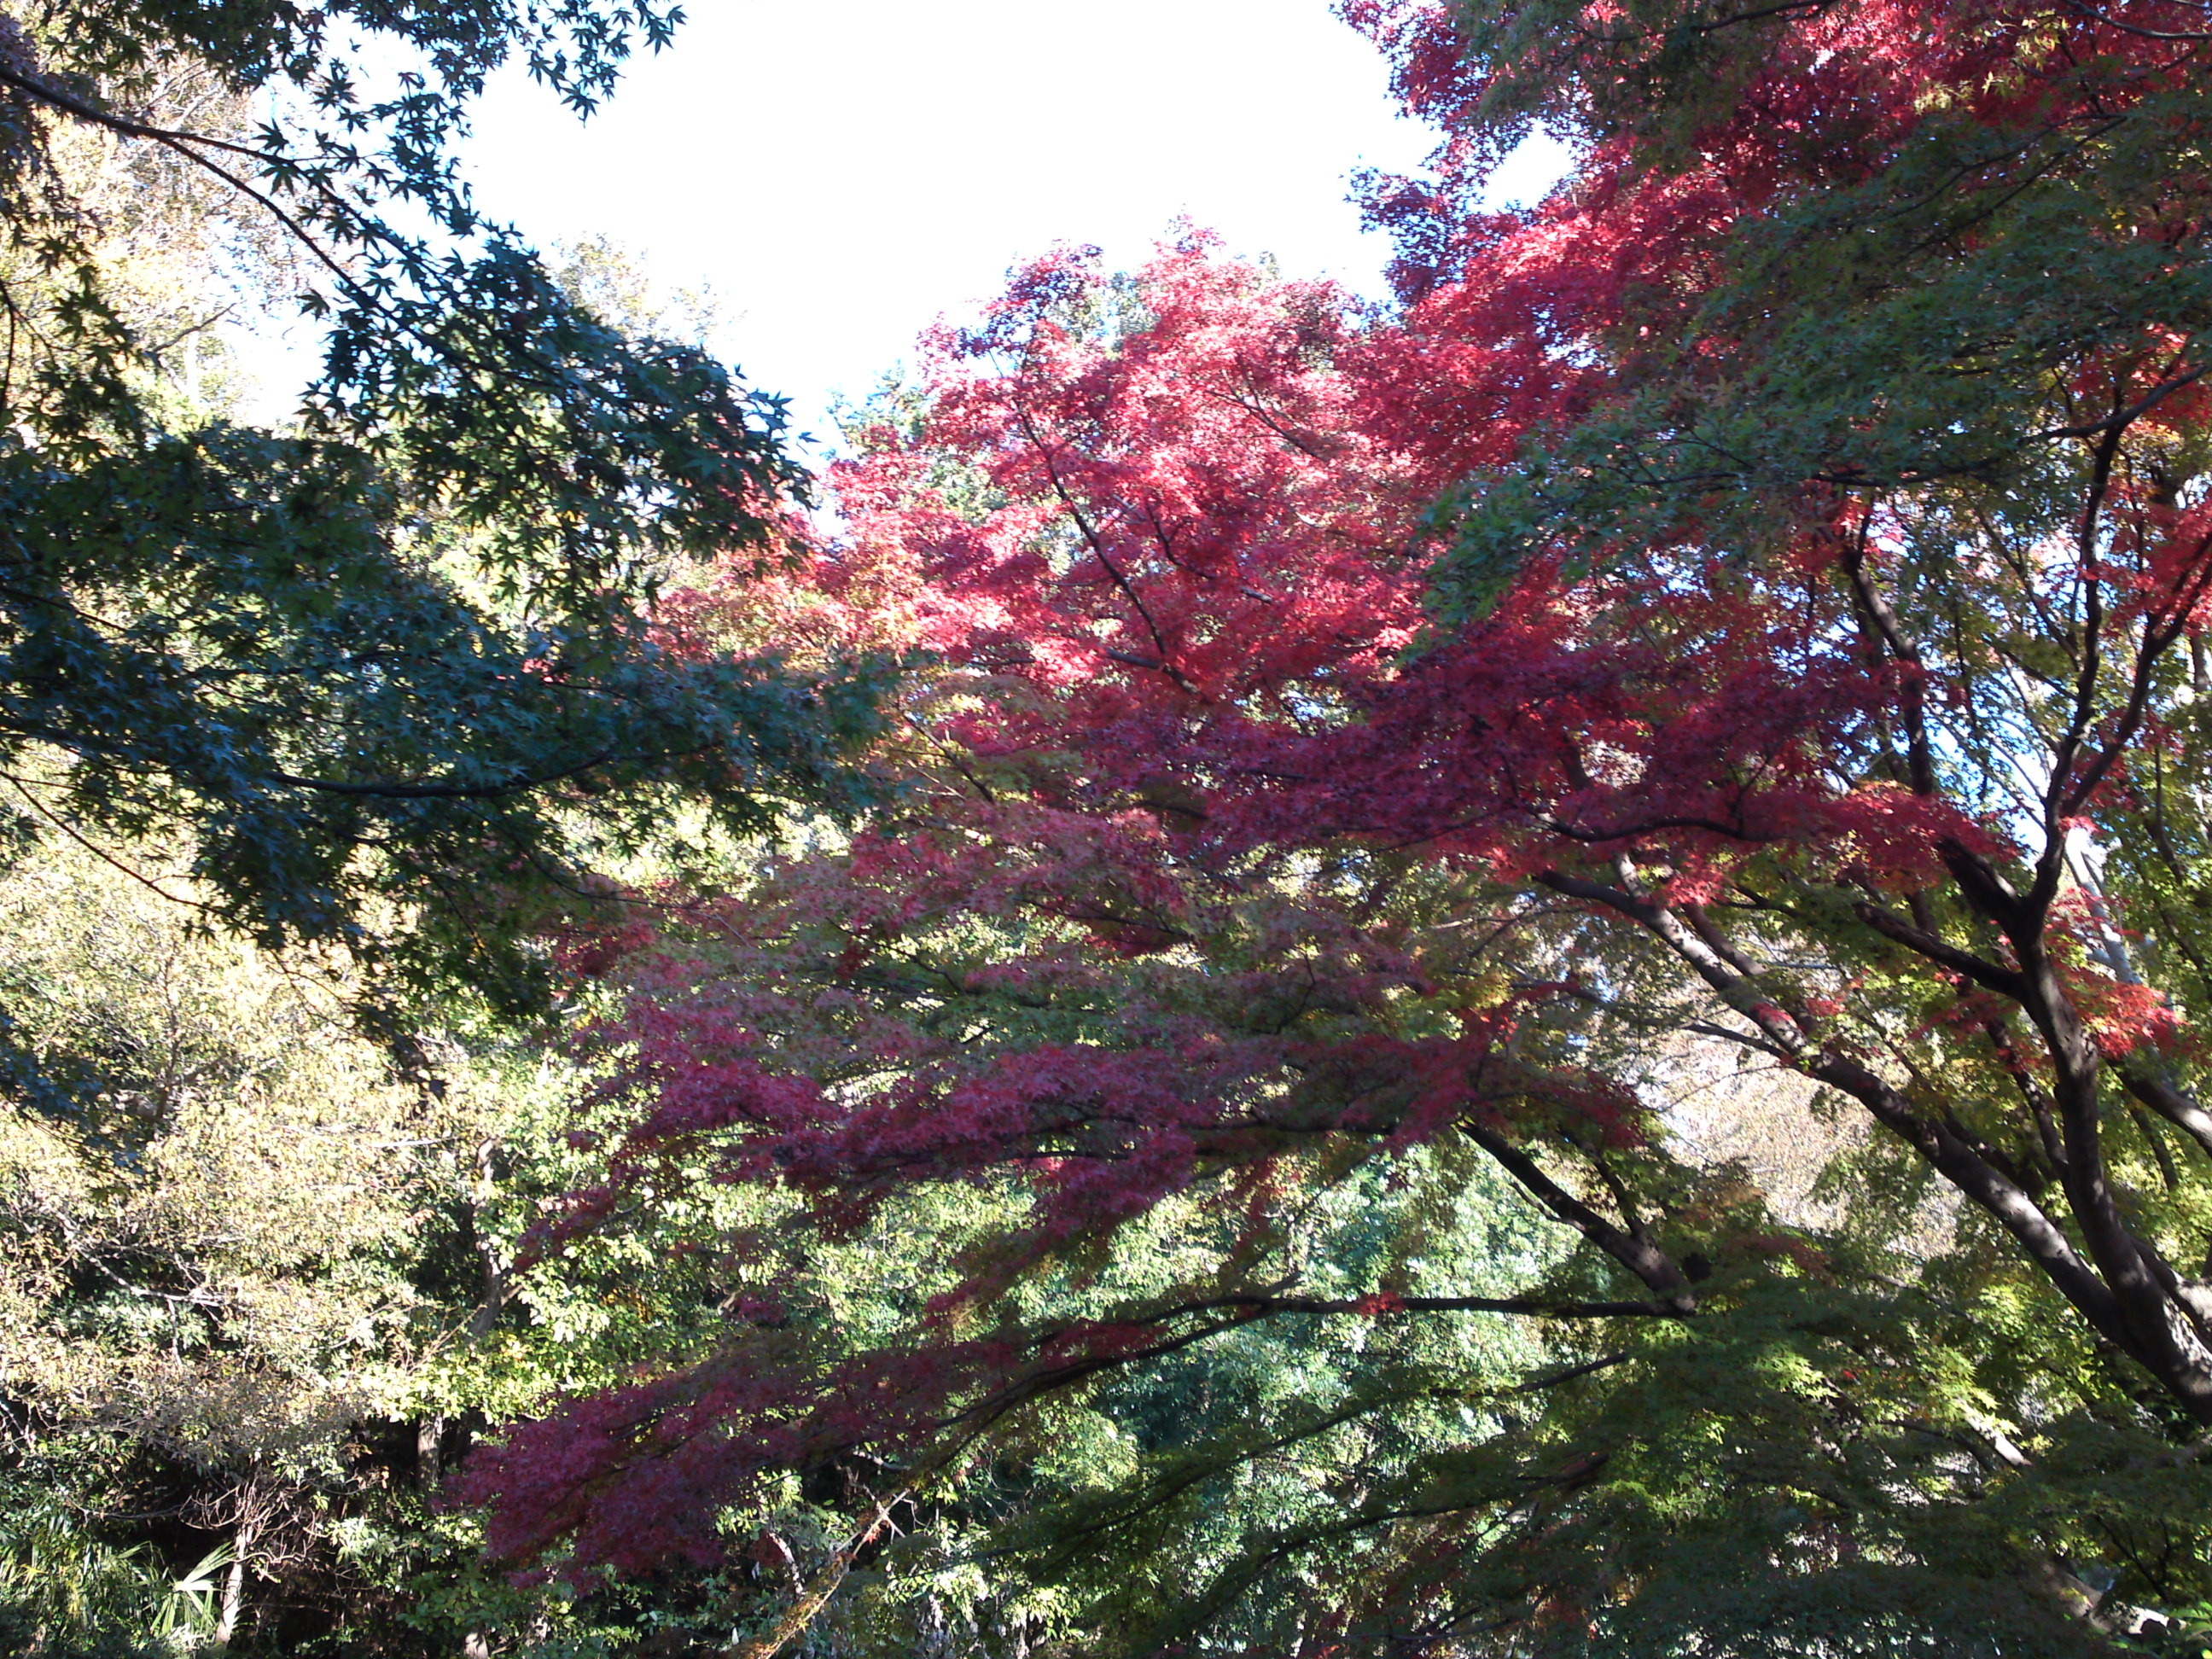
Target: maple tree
[1749, 606]
[386, 665]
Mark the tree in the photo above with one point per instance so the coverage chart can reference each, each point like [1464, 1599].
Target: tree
[256, 1297]
[393, 670]
[1812, 499]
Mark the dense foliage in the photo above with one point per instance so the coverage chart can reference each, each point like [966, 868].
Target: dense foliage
[1528, 984]
[1742, 607]
[368, 661]
[259, 1298]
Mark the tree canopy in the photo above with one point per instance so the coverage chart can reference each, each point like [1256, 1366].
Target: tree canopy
[1733, 625]
[371, 663]
[1521, 976]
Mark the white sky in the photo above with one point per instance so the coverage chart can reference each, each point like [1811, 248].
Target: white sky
[842, 173]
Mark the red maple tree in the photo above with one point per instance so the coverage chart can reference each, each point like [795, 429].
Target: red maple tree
[1751, 599]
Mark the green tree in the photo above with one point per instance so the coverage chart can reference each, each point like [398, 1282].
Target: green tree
[257, 1297]
[391, 671]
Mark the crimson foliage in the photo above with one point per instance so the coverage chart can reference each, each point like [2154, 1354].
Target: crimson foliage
[1742, 614]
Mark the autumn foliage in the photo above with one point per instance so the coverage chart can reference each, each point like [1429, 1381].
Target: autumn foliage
[1742, 611]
